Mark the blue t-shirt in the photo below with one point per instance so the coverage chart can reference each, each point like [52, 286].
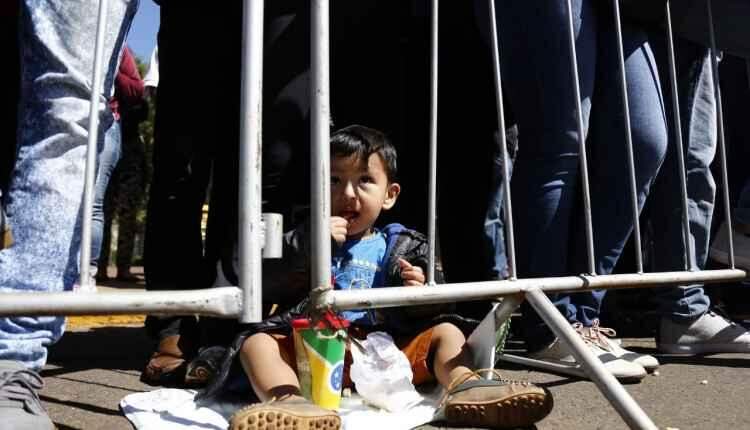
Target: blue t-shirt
[354, 266]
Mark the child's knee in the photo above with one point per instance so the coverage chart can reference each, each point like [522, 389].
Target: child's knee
[256, 342]
[447, 332]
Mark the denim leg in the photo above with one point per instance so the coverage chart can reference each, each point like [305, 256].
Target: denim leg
[108, 158]
[611, 201]
[536, 69]
[494, 220]
[698, 118]
[45, 194]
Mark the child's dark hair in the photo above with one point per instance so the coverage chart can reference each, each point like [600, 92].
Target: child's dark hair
[364, 141]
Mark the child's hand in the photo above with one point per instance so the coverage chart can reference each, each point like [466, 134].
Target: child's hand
[411, 275]
[339, 228]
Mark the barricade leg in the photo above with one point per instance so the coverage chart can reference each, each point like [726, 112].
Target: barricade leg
[608, 384]
[91, 147]
[250, 274]
[320, 117]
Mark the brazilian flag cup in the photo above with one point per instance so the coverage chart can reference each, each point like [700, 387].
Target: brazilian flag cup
[320, 359]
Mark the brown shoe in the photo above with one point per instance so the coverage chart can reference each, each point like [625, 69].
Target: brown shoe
[495, 403]
[167, 365]
[6, 237]
[288, 413]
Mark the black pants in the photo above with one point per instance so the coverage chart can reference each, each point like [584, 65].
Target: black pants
[196, 129]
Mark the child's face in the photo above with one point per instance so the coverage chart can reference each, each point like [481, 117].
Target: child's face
[359, 191]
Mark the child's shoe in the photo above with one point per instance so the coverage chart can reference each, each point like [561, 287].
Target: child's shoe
[286, 413]
[495, 403]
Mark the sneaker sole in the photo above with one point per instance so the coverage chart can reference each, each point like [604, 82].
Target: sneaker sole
[270, 417]
[522, 410]
[576, 369]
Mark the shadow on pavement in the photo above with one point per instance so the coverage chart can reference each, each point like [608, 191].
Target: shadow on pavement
[111, 348]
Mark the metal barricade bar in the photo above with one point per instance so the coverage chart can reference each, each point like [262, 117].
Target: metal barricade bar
[91, 147]
[250, 189]
[510, 240]
[219, 302]
[581, 141]
[320, 170]
[467, 291]
[628, 140]
[432, 172]
[172, 302]
[607, 383]
[679, 145]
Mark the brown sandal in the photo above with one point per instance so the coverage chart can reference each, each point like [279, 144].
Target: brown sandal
[167, 365]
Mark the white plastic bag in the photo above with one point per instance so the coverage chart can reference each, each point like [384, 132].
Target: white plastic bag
[382, 374]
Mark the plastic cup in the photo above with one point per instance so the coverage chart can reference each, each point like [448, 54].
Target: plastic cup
[320, 359]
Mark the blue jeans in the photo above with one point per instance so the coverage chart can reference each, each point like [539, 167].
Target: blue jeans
[109, 155]
[494, 220]
[45, 193]
[536, 67]
[698, 118]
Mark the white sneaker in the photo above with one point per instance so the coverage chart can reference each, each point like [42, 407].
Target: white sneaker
[720, 247]
[708, 334]
[601, 336]
[620, 368]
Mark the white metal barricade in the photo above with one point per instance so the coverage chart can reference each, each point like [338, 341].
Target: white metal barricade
[244, 302]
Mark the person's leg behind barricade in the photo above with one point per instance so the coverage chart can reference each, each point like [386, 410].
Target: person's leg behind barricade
[173, 252]
[47, 184]
[686, 324]
[131, 186]
[546, 174]
[545, 178]
[46, 189]
[698, 118]
[109, 155]
[494, 221]
[611, 191]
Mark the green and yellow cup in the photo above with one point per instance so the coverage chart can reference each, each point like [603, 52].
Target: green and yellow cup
[320, 354]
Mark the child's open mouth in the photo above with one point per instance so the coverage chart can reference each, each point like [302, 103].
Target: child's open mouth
[349, 215]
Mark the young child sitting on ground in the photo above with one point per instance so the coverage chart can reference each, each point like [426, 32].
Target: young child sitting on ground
[363, 174]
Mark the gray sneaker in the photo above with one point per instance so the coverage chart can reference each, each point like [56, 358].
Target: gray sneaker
[708, 334]
[20, 407]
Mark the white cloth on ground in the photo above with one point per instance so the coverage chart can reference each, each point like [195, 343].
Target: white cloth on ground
[176, 409]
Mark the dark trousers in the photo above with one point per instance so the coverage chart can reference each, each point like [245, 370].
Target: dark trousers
[196, 128]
